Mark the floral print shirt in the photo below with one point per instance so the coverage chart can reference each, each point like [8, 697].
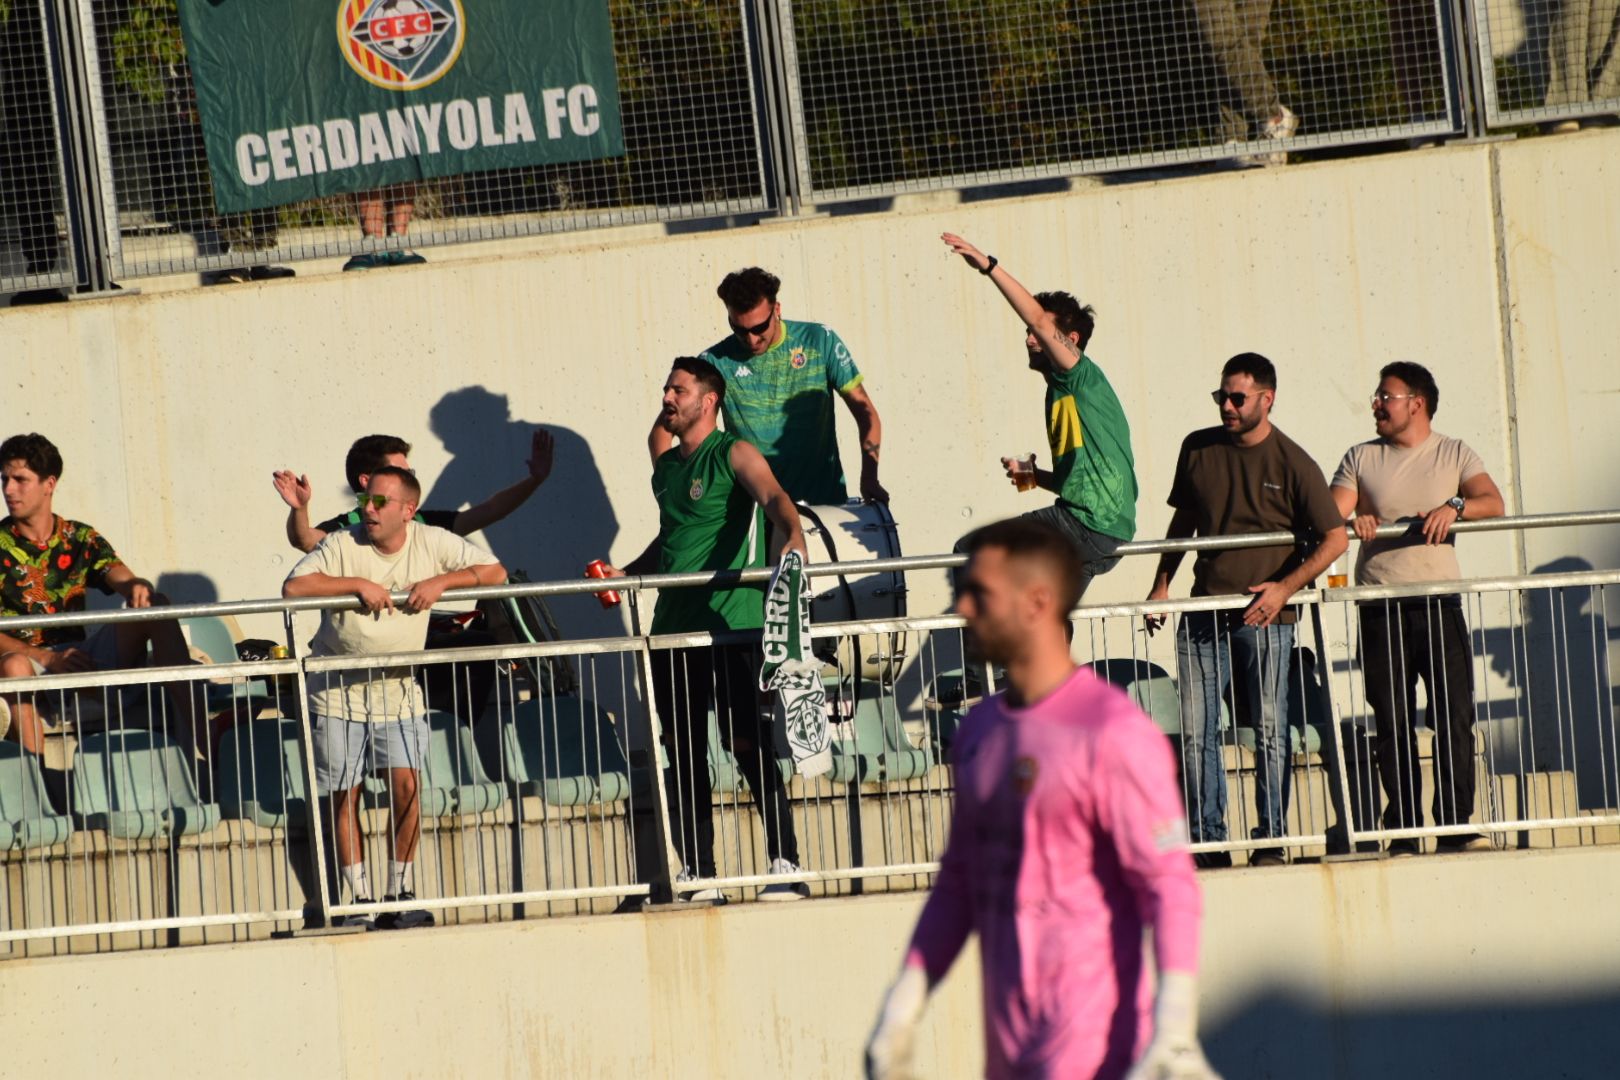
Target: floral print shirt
[42, 579]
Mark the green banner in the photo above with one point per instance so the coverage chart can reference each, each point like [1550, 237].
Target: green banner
[304, 98]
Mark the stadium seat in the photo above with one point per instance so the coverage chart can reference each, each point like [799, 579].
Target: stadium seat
[873, 745]
[947, 699]
[137, 784]
[453, 769]
[260, 775]
[27, 819]
[564, 749]
[211, 637]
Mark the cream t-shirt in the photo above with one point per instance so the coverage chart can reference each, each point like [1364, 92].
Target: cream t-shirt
[1403, 484]
[381, 693]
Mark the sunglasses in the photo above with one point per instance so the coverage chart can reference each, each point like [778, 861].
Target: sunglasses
[1237, 399]
[755, 331]
[379, 501]
[1380, 397]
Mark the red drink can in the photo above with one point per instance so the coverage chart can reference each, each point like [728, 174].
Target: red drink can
[596, 568]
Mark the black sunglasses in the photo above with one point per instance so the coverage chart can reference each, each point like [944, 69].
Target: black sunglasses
[756, 331]
[1221, 397]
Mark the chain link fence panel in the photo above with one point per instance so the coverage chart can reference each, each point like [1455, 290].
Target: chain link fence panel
[686, 85]
[926, 94]
[1546, 62]
[33, 208]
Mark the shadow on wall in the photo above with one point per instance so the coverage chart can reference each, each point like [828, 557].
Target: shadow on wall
[187, 587]
[1282, 1036]
[1558, 661]
[563, 526]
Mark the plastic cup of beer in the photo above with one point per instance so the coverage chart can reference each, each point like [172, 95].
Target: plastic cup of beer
[1023, 471]
[1337, 578]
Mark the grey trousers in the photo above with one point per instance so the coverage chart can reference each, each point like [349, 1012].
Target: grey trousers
[1584, 53]
[1234, 30]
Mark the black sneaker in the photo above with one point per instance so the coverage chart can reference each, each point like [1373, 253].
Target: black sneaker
[403, 920]
[1268, 856]
[1405, 848]
[1213, 860]
[1452, 845]
[270, 273]
[367, 921]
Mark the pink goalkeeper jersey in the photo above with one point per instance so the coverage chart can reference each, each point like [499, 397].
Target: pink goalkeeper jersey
[1069, 838]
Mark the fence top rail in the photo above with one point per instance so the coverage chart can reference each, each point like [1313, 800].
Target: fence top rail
[277, 605]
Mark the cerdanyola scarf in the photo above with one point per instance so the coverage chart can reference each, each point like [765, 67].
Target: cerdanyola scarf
[791, 671]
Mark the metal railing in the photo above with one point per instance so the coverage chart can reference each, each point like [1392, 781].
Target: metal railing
[182, 804]
[755, 106]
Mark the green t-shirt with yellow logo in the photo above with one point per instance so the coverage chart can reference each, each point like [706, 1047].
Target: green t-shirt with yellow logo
[1092, 464]
[706, 521]
[782, 403]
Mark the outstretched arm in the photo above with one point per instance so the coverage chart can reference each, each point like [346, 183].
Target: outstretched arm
[296, 492]
[757, 479]
[503, 502]
[1061, 350]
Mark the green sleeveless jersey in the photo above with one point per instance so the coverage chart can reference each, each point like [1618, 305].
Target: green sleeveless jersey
[706, 521]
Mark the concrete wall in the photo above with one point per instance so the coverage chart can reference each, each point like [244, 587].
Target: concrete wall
[173, 408]
[1496, 965]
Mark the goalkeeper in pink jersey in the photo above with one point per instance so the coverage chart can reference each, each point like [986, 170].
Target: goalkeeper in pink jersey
[1069, 840]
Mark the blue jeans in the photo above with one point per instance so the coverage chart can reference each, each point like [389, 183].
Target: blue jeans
[1211, 649]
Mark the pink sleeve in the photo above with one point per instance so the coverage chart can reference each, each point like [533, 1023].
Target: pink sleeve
[1139, 806]
[947, 917]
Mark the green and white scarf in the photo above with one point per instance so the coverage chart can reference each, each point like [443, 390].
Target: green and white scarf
[792, 672]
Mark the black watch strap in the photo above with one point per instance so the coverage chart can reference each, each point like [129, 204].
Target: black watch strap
[989, 266]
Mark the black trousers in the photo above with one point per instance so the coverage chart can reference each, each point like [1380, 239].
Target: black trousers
[685, 683]
[1402, 641]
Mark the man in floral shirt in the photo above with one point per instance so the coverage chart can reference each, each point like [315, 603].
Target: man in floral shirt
[46, 562]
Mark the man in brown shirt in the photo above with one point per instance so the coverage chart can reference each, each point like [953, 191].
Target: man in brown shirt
[1244, 476]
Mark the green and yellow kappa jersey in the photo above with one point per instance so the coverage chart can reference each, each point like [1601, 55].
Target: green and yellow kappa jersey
[1092, 464]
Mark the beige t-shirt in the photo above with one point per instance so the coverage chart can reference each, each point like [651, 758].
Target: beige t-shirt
[383, 693]
[1404, 484]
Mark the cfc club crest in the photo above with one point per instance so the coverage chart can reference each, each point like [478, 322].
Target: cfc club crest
[401, 44]
[696, 491]
[797, 358]
[1024, 772]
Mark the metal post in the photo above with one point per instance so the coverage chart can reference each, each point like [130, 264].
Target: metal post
[320, 917]
[1347, 807]
[665, 869]
[773, 107]
[72, 48]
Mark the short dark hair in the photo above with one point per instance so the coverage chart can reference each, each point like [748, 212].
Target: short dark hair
[1255, 367]
[1025, 540]
[1417, 379]
[744, 289]
[1070, 315]
[34, 450]
[707, 375]
[406, 478]
[370, 453]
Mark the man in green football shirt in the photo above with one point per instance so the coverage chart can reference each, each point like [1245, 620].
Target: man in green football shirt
[710, 491]
[1093, 471]
[780, 380]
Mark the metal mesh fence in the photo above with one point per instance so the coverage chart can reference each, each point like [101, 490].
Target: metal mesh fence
[938, 93]
[688, 113]
[32, 252]
[1548, 62]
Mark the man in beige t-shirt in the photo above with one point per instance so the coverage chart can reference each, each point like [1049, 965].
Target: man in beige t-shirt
[375, 719]
[1413, 473]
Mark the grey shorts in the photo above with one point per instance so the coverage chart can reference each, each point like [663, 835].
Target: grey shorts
[345, 750]
[101, 646]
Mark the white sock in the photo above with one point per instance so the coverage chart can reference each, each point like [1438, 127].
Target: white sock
[359, 884]
[398, 873]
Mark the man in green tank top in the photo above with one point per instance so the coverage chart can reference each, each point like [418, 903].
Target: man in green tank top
[1093, 471]
[781, 378]
[711, 489]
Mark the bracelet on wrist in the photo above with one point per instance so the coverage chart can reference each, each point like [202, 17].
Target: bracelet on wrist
[989, 266]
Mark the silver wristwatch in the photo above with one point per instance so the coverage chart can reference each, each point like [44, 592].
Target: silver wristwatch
[1456, 503]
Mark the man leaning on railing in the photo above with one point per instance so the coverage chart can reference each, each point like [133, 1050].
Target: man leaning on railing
[1411, 472]
[48, 561]
[1245, 476]
[376, 718]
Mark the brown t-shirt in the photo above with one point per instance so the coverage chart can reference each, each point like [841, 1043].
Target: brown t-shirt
[1234, 489]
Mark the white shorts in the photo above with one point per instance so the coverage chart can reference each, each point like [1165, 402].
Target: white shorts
[345, 750]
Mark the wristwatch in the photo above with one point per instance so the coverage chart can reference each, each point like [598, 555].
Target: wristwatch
[1456, 503]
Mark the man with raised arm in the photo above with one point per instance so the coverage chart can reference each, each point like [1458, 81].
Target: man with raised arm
[710, 489]
[48, 563]
[1411, 472]
[369, 453]
[780, 380]
[1067, 844]
[375, 719]
[1244, 476]
[1093, 471]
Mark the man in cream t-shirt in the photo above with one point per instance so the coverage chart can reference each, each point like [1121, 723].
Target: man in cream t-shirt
[375, 719]
[1413, 473]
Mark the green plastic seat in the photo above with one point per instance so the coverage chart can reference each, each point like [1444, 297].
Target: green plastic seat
[876, 746]
[564, 749]
[137, 784]
[946, 701]
[212, 638]
[453, 768]
[27, 818]
[260, 775]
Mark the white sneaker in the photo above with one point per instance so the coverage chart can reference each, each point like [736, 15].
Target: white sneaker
[1281, 126]
[786, 890]
[710, 896]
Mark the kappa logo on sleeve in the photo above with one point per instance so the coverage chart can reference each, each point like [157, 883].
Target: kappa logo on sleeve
[401, 44]
[1170, 835]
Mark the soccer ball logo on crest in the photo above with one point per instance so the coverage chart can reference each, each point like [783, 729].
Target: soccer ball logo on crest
[401, 44]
